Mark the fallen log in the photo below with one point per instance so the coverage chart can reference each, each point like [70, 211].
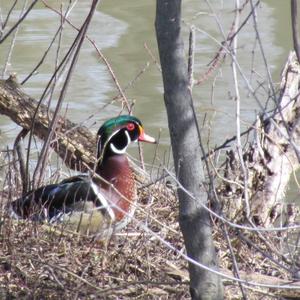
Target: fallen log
[75, 144]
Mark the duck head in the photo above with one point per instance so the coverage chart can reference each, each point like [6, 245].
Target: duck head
[115, 135]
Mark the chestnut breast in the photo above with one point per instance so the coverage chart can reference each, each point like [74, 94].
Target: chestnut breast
[115, 169]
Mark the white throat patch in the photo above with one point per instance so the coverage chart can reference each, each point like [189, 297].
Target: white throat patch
[120, 151]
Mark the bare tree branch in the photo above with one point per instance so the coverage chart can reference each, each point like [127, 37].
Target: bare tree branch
[7, 34]
[54, 122]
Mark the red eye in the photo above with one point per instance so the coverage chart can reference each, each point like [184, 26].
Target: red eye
[130, 126]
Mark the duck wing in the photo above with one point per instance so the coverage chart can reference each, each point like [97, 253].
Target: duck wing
[48, 201]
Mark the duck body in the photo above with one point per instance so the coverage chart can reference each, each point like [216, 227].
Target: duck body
[47, 201]
[101, 202]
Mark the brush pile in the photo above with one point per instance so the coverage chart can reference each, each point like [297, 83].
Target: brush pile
[144, 261]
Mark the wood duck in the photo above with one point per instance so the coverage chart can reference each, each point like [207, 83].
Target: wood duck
[91, 204]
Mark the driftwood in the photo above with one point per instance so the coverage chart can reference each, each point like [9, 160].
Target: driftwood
[270, 158]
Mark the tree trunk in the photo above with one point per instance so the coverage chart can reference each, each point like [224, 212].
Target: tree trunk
[194, 220]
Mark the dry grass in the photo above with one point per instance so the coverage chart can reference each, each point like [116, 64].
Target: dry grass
[39, 262]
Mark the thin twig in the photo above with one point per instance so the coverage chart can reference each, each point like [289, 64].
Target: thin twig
[152, 56]
[125, 100]
[267, 255]
[12, 44]
[60, 66]
[5, 36]
[19, 148]
[227, 221]
[43, 57]
[222, 53]
[238, 111]
[234, 262]
[191, 58]
[141, 155]
[53, 125]
[3, 25]
[254, 16]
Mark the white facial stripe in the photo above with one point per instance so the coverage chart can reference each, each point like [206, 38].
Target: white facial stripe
[121, 151]
[103, 146]
[117, 151]
[128, 137]
[104, 202]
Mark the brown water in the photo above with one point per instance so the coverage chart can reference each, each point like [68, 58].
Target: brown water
[120, 29]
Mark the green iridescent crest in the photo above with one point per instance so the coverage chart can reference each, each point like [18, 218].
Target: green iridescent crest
[111, 125]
